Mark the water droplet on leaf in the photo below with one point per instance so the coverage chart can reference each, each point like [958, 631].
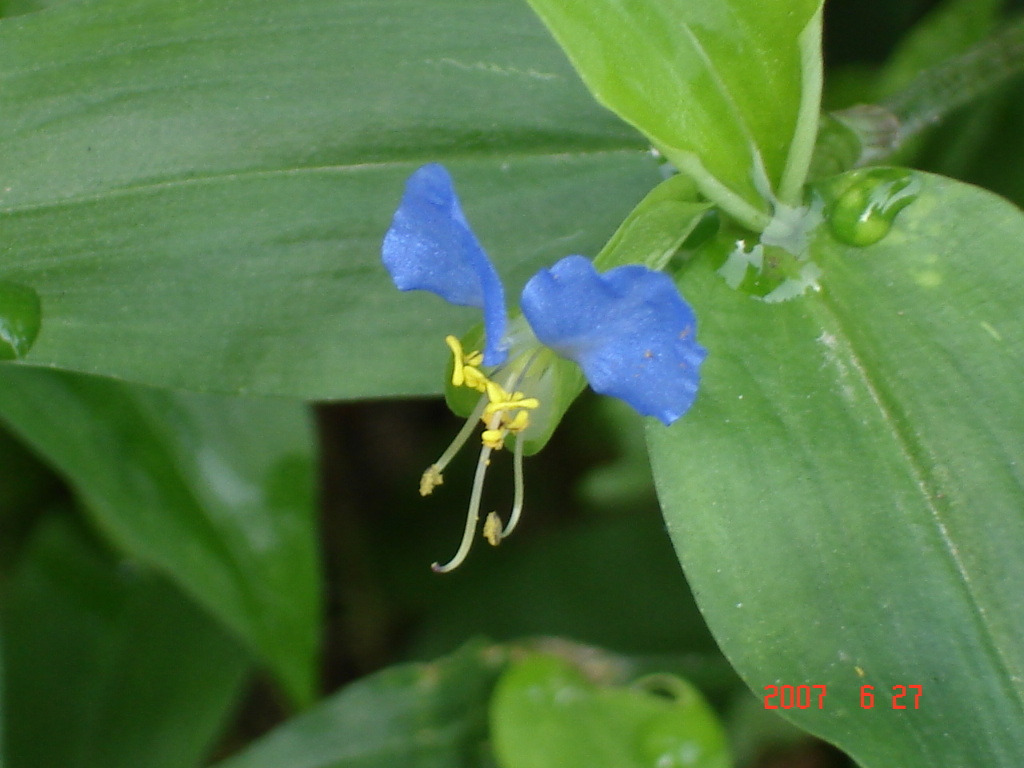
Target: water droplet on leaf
[777, 265]
[769, 272]
[20, 318]
[861, 206]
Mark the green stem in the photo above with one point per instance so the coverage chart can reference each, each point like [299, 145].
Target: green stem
[801, 149]
[936, 92]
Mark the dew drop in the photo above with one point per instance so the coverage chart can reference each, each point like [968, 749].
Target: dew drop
[777, 265]
[768, 272]
[861, 206]
[20, 317]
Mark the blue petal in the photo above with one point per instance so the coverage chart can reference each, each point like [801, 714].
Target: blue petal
[628, 329]
[430, 247]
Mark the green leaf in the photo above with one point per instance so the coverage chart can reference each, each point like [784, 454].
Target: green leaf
[198, 191]
[547, 714]
[846, 495]
[728, 91]
[656, 228]
[107, 665]
[430, 715]
[214, 491]
[19, 7]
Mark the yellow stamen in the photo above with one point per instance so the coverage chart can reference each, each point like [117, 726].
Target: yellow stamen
[514, 402]
[493, 438]
[466, 366]
[520, 490]
[495, 392]
[471, 517]
[517, 423]
[503, 413]
[473, 378]
[430, 480]
[458, 360]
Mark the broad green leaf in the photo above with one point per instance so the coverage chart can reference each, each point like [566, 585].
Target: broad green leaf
[846, 496]
[197, 191]
[214, 491]
[107, 665]
[426, 715]
[728, 91]
[547, 714]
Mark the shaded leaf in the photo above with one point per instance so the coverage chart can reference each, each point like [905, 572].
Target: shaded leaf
[107, 665]
[214, 491]
[430, 715]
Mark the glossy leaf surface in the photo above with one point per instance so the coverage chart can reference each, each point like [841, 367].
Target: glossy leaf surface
[214, 491]
[719, 88]
[431, 715]
[198, 192]
[108, 665]
[846, 495]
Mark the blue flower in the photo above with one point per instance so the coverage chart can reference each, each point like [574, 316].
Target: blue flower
[628, 329]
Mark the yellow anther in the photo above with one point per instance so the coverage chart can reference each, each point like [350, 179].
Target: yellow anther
[517, 423]
[492, 529]
[465, 366]
[430, 480]
[496, 393]
[513, 403]
[458, 359]
[473, 378]
[494, 438]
